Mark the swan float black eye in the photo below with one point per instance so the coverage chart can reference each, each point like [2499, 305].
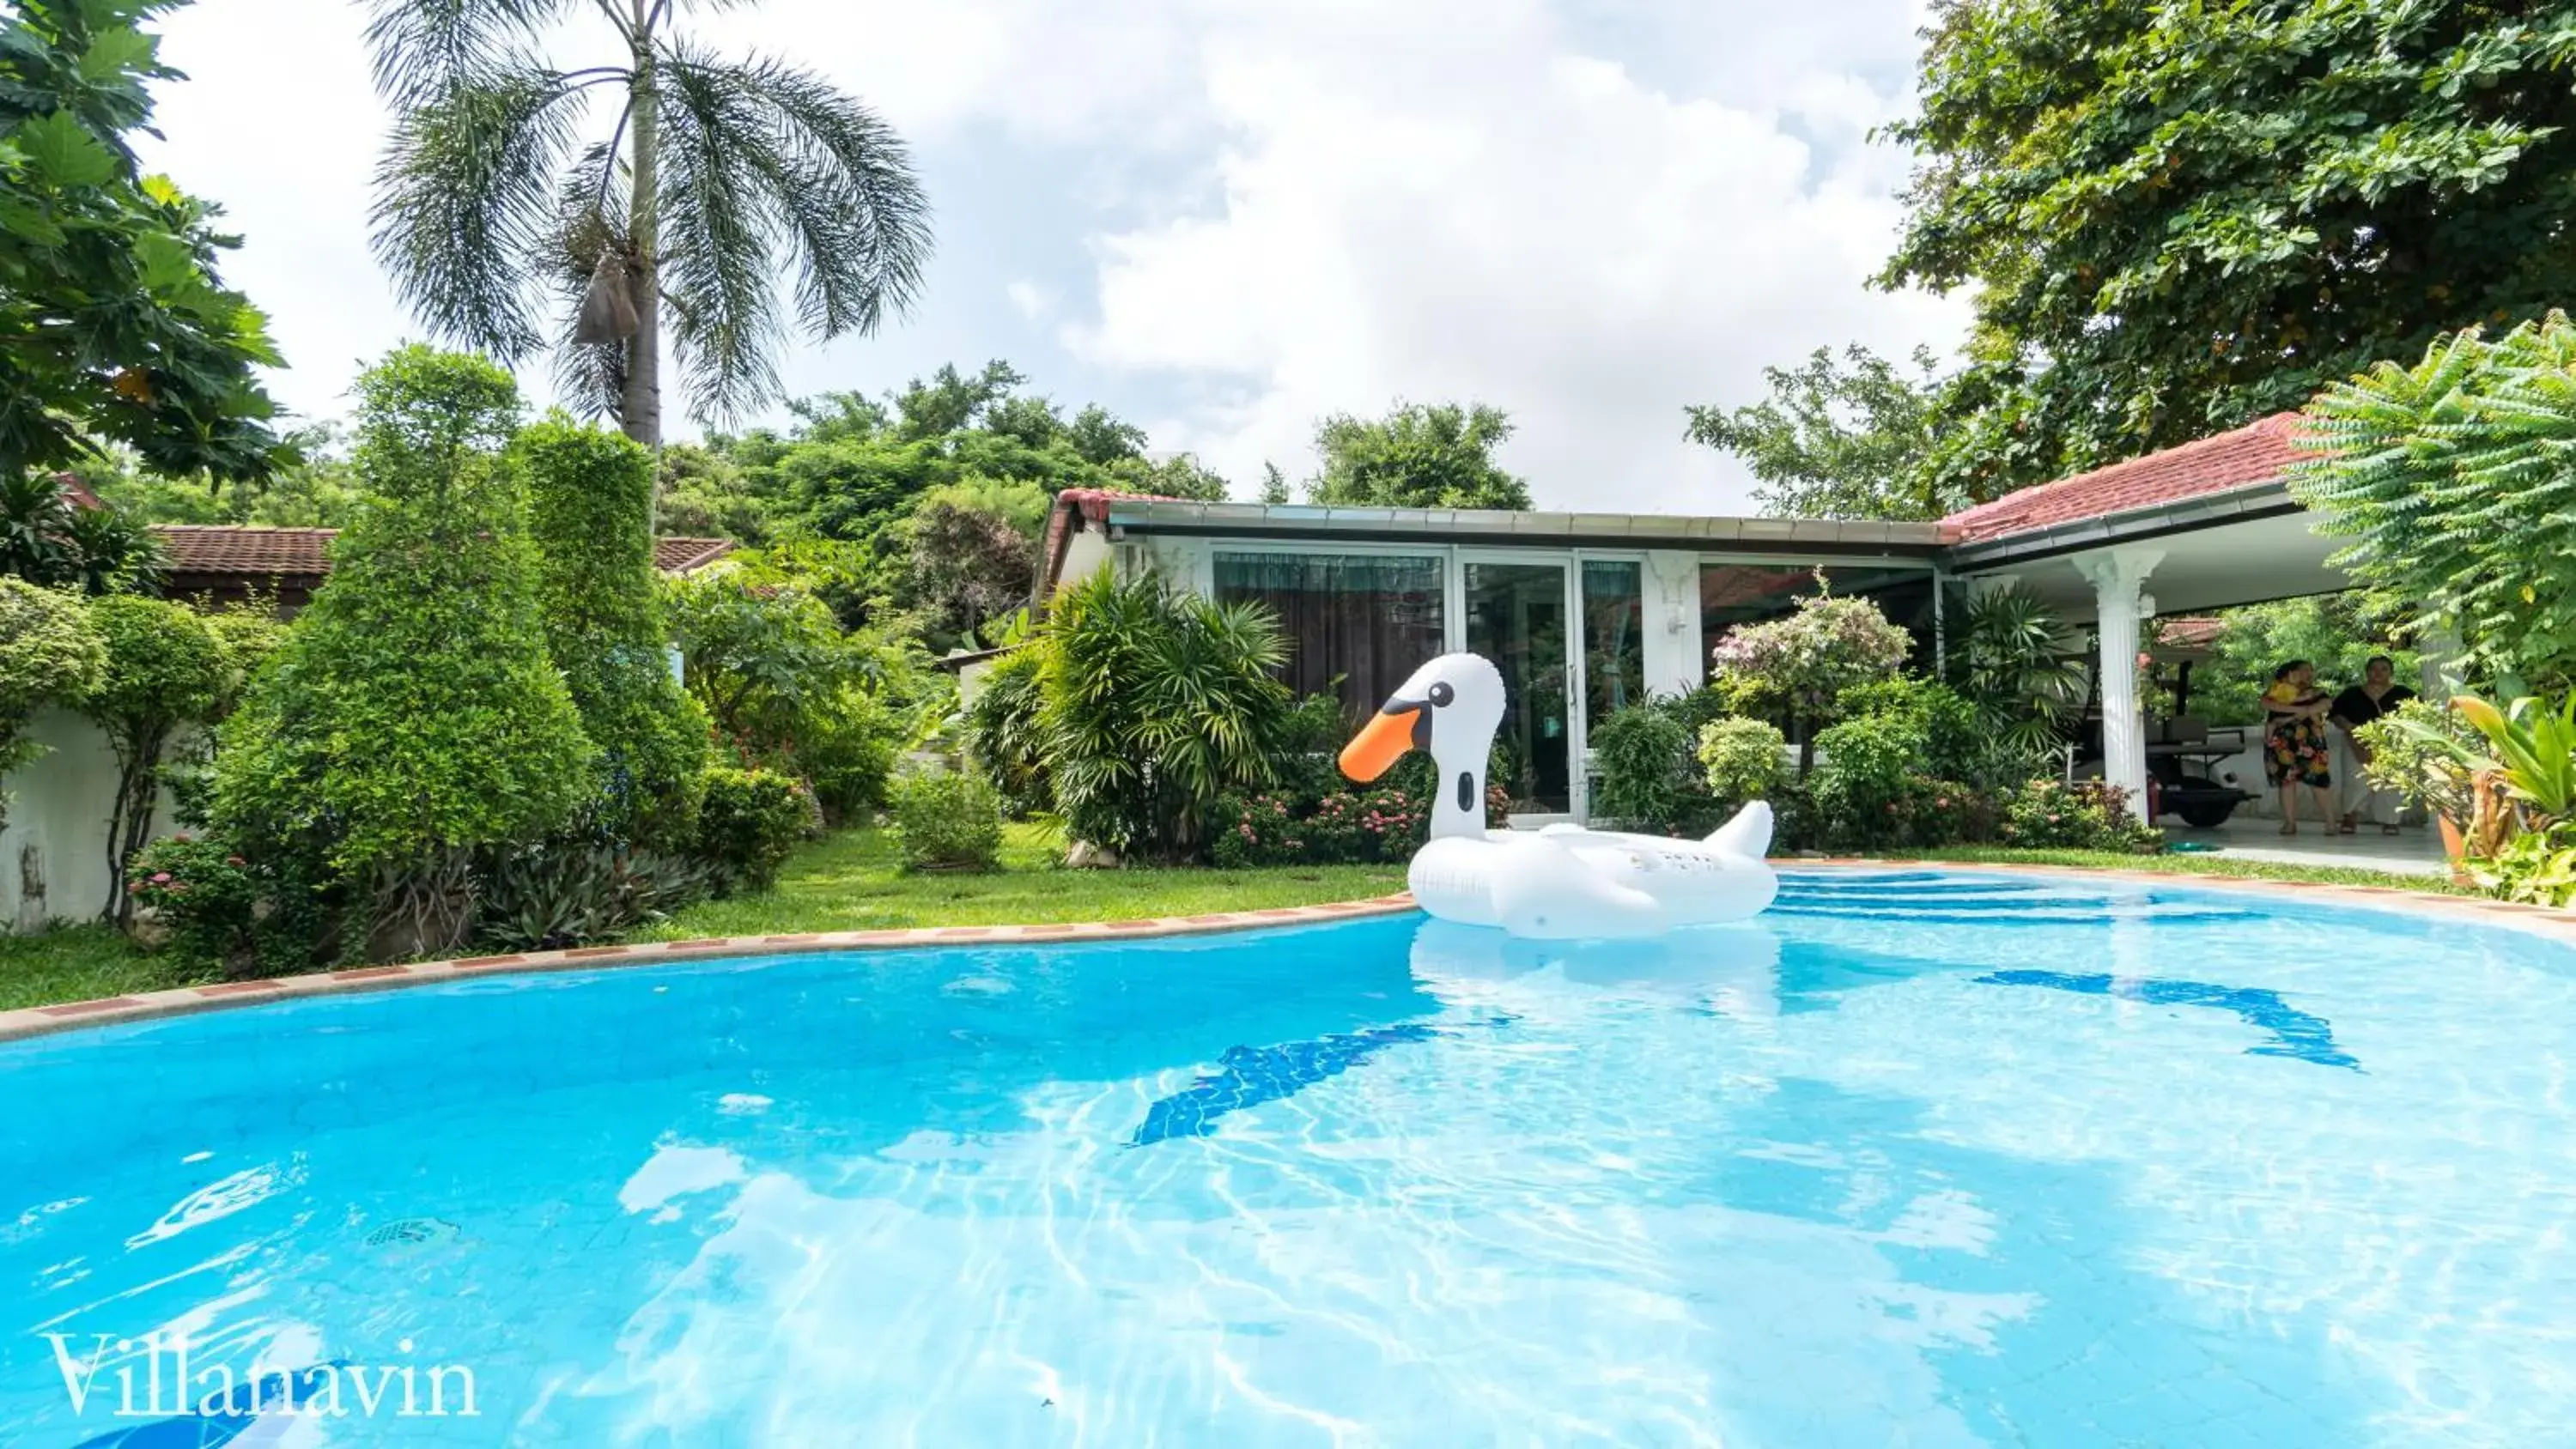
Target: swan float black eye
[1441, 694]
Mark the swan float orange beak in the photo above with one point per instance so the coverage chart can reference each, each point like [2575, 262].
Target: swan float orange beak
[1404, 724]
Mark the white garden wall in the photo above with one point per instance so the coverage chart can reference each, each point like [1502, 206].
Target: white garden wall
[53, 853]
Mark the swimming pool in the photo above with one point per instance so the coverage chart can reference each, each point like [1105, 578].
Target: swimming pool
[1931, 1158]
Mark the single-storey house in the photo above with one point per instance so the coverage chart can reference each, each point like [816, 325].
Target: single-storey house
[1588, 612]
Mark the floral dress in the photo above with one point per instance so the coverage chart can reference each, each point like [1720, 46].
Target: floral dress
[2295, 749]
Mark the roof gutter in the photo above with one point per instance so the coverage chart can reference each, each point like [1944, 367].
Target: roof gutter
[2267, 499]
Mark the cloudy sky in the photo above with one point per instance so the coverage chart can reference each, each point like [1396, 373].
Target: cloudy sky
[1227, 218]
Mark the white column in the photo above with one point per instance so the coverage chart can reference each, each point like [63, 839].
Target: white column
[1676, 658]
[2440, 651]
[2120, 607]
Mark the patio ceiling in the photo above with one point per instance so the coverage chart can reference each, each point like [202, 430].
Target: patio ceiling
[2248, 546]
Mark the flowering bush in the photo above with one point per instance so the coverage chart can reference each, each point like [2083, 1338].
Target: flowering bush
[2087, 815]
[1800, 664]
[223, 910]
[1347, 826]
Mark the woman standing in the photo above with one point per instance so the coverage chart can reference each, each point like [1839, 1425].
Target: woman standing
[2296, 753]
[2377, 694]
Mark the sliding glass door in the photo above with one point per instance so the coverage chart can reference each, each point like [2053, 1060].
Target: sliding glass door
[1516, 616]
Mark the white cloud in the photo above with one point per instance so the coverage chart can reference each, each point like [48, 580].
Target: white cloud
[1589, 212]
[1507, 220]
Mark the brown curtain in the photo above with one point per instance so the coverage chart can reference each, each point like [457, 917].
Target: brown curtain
[1370, 621]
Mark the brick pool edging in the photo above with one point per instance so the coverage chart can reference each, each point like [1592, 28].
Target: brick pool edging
[37, 1021]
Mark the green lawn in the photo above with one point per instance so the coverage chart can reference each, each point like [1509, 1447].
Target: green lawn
[77, 963]
[853, 881]
[2218, 865]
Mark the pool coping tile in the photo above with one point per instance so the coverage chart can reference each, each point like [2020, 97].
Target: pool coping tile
[35, 1021]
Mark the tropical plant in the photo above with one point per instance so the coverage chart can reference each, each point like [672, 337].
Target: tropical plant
[2428, 754]
[2006, 661]
[712, 173]
[413, 717]
[573, 893]
[1154, 703]
[1744, 759]
[165, 672]
[222, 910]
[2451, 479]
[2177, 217]
[44, 539]
[50, 653]
[589, 496]
[114, 328]
[1004, 737]
[1417, 456]
[948, 820]
[2534, 745]
[2536, 867]
[1800, 664]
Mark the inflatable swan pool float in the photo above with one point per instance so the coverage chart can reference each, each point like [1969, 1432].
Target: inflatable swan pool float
[1563, 882]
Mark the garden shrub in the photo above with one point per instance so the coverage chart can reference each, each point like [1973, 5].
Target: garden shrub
[165, 671]
[1154, 704]
[1862, 777]
[1002, 734]
[847, 751]
[1644, 755]
[413, 716]
[1742, 758]
[577, 892]
[240, 917]
[1384, 824]
[748, 824]
[50, 651]
[1799, 666]
[948, 820]
[760, 657]
[2087, 815]
[590, 504]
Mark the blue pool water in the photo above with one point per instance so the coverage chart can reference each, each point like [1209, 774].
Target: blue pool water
[1921, 1159]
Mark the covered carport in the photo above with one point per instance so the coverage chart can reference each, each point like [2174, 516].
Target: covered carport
[2205, 526]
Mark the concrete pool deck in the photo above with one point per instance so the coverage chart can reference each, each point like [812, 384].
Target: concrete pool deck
[39, 1021]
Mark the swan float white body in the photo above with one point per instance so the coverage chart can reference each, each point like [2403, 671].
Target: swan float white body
[1564, 882]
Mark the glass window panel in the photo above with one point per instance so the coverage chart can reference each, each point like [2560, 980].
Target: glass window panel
[1614, 649]
[1516, 618]
[1368, 620]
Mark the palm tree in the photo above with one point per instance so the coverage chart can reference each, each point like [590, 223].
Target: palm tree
[713, 173]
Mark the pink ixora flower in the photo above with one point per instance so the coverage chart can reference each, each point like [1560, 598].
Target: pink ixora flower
[182, 837]
[160, 877]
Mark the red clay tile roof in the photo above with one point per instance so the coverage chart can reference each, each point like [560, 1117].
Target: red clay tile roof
[78, 496]
[254, 552]
[2190, 633]
[2256, 453]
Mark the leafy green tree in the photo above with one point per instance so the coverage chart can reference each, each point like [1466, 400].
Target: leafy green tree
[2452, 479]
[759, 658]
[950, 402]
[165, 671]
[1181, 475]
[974, 557]
[1417, 456]
[50, 653]
[413, 716]
[1274, 484]
[1844, 438]
[2331, 631]
[2177, 217]
[589, 493]
[1102, 439]
[114, 327]
[715, 176]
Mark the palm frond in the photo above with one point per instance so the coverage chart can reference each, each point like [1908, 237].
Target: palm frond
[816, 175]
[717, 227]
[425, 48]
[590, 211]
[464, 208]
